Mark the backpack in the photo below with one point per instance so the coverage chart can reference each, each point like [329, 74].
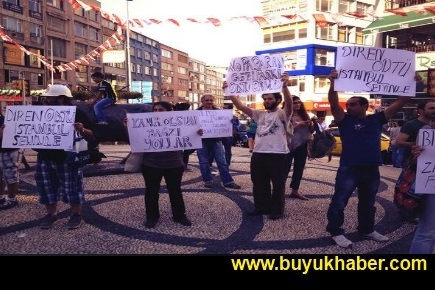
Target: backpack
[321, 145]
[288, 125]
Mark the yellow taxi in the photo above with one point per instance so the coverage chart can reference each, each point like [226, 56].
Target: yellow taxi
[385, 141]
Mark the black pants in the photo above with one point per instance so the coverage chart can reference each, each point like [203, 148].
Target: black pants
[153, 177]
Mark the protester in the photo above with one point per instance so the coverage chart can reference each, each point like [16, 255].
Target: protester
[423, 241]
[10, 160]
[252, 129]
[106, 96]
[302, 133]
[170, 166]
[56, 179]
[212, 149]
[268, 160]
[359, 163]
[397, 152]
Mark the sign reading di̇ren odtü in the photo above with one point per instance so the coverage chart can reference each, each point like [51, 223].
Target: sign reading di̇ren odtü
[39, 127]
[375, 70]
[163, 131]
[258, 74]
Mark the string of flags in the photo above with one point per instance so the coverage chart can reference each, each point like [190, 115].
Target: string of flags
[321, 19]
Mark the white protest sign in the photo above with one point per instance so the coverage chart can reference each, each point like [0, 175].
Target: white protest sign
[39, 127]
[375, 70]
[216, 123]
[425, 174]
[258, 74]
[163, 131]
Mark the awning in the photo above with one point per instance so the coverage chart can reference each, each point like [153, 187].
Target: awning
[396, 22]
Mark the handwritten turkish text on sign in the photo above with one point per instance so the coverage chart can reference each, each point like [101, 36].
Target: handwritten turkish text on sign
[39, 127]
[425, 178]
[258, 74]
[163, 131]
[375, 70]
[216, 123]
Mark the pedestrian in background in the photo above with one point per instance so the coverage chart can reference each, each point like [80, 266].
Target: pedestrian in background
[397, 152]
[252, 129]
[228, 141]
[268, 160]
[212, 149]
[302, 133]
[359, 163]
[10, 160]
[56, 179]
[423, 241]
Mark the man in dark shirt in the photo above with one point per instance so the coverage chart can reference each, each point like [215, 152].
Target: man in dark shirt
[105, 97]
[56, 179]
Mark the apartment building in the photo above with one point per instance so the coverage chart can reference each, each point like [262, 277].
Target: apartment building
[309, 42]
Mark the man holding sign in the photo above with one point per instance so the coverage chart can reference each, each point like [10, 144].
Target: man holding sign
[55, 178]
[359, 162]
[424, 237]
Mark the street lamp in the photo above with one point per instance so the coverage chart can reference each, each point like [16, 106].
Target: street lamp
[128, 49]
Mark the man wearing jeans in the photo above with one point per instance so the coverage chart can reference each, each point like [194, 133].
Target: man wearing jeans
[359, 163]
[106, 96]
[212, 148]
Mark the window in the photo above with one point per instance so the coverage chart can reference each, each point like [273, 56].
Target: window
[284, 36]
[56, 3]
[182, 70]
[344, 6]
[33, 60]
[139, 69]
[166, 53]
[94, 33]
[57, 75]
[59, 47]
[343, 33]
[93, 15]
[146, 70]
[56, 24]
[321, 84]
[302, 33]
[35, 30]
[82, 73]
[324, 5]
[80, 12]
[79, 29]
[326, 33]
[12, 24]
[35, 6]
[139, 53]
[79, 50]
[147, 55]
[167, 66]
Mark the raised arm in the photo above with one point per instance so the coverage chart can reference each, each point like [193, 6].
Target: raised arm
[288, 100]
[236, 101]
[336, 110]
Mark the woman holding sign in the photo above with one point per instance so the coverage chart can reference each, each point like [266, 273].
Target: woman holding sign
[168, 165]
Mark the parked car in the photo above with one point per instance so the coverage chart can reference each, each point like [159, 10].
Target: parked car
[241, 138]
[385, 143]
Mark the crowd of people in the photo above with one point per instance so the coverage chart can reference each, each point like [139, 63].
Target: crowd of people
[270, 164]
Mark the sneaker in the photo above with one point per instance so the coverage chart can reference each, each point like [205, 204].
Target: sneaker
[342, 241]
[8, 204]
[208, 184]
[150, 223]
[375, 236]
[183, 221]
[74, 221]
[48, 220]
[102, 123]
[214, 171]
[232, 185]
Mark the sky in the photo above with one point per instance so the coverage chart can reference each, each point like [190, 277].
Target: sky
[216, 46]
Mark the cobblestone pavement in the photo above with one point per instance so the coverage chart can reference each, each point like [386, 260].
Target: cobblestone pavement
[114, 216]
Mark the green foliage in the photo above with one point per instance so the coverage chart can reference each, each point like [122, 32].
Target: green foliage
[82, 95]
[129, 95]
